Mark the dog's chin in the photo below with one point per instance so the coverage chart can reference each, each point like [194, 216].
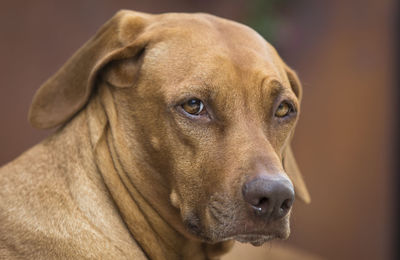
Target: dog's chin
[258, 239]
[246, 230]
[254, 239]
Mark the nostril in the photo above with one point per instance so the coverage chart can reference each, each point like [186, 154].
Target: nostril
[262, 201]
[262, 205]
[285, 207]
[286, 204]
[270, 198]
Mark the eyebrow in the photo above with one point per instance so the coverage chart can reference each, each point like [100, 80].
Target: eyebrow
[274, 88]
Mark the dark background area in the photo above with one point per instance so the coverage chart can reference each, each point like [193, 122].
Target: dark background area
[345, 54]
[396, 163]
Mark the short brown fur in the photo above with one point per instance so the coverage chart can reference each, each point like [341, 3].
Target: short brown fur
[128, 175]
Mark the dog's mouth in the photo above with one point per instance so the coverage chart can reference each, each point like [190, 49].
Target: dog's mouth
[240, 227]
[254, 239]
[258, 238]
[216, 234]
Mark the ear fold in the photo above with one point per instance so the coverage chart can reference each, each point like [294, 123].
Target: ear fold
[292, 170]
[294, 82]
[68, 91]
[289, 162]
[121, 73]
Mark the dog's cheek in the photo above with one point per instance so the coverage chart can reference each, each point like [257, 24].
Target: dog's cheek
[188, 197]
[193, 223]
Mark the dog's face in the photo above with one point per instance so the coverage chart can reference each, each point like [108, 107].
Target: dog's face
[213, 108]
[209, 107]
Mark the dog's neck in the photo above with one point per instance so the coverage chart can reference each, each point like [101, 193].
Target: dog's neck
[154, 234]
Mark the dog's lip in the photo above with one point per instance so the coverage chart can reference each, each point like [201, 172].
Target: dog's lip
[255, 232]
[258, 236]
[255, 239]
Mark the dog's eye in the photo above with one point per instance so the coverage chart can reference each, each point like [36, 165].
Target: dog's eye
[284, 109]
[194, 107]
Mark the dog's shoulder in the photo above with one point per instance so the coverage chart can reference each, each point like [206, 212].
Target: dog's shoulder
[49, 209]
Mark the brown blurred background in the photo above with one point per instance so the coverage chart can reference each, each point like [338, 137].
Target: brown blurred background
[344, 54]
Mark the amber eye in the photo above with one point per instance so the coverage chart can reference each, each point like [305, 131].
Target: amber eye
[193, 106]
[284, 109]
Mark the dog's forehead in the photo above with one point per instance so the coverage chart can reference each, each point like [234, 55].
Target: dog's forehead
[202, 42]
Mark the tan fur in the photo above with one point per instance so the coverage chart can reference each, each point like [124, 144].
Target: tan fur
[127, 176]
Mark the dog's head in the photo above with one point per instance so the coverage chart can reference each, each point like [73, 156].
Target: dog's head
[204, 104]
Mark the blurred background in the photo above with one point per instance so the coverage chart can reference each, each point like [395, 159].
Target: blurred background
[344, 52]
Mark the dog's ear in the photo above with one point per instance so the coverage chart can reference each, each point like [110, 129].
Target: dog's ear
[114, 51]
[294, 82]
[289, 162]
[292, 170]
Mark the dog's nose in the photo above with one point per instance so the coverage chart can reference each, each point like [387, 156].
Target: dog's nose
[269, 196]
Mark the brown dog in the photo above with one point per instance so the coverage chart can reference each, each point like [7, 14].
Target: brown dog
[173, 142]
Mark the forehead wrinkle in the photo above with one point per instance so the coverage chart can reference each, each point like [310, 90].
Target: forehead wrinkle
[269, 90]
[273, 88]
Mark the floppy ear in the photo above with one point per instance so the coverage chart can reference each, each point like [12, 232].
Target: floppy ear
[294, 82]
[292, 170]
[65, 93]
[289, 162]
